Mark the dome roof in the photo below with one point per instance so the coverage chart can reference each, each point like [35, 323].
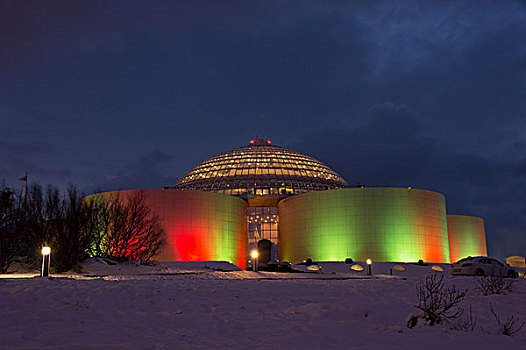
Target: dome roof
[261, 169]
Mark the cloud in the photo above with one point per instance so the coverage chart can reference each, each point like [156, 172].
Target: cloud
[27, 148]
[394, 147]
[521, 168]
[140, 173]
[390, 141]
[13, 167]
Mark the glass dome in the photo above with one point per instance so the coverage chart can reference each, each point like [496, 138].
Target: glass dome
[261, 169]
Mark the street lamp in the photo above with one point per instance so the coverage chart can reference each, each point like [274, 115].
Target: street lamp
[254, 254]
[46, 257]
[369, 263]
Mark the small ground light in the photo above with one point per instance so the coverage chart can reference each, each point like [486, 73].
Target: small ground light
[254, 255]
[46, 252]
[369, 263]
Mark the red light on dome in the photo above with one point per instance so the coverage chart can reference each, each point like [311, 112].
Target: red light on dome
[251, 142]
[268, 141]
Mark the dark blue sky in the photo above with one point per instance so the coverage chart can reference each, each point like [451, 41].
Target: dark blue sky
[132, 94]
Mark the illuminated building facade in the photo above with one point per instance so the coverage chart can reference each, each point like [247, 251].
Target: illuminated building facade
[262, 174]
[260, 193]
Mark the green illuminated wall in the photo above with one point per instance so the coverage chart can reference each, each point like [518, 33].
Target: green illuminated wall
[467, 236]
[384, 224]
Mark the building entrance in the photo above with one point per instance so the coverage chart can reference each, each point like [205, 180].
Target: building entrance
[264, 251]
[262, 225]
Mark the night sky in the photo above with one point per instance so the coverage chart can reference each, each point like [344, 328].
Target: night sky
[132, 94]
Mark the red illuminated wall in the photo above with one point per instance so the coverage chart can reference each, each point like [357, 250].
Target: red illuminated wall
[200, 226]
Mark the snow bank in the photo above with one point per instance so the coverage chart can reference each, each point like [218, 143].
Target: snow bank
[169, 307]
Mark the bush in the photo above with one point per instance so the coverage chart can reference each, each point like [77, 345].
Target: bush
[437, 303]
[491, 285]
[510, 326]
[466, 324]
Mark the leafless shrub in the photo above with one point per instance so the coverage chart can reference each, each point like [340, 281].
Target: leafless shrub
[490, 285]
[466, 324]
[510, 326]
[124, 229]
[437, 302]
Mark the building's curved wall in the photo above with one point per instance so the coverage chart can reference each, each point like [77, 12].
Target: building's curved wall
[200, 226]
[467, 236]
[516, 261]
[384, 224]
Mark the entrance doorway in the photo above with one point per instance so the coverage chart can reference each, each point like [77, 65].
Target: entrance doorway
[264, 251]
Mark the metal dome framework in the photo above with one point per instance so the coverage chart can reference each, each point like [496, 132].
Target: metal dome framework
[261, 169]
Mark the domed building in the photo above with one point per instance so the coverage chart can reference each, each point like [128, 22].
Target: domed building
[290, 206]
[261, 169]
[262, 174]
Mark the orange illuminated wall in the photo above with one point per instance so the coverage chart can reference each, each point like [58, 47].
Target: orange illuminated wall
[200, 226]
[467, 236]
[384, 224]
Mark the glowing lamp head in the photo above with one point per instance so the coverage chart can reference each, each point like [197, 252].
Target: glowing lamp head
[268, 142]
[254, 254]
[252, 142]
[368, 261]
[46, 250]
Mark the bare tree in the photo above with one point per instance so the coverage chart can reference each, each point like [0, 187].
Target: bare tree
[97, 226]
[8, 221]
[31, 225]
[21, 221]
[68, 216]
[125, 229]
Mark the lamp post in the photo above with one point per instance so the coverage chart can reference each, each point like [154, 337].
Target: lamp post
[369, 263]
[254, 254]
[46, 257]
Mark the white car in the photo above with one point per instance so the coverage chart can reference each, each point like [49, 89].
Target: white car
[482, 266]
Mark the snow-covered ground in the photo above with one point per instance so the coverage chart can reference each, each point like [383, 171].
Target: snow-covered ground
[193, 306]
